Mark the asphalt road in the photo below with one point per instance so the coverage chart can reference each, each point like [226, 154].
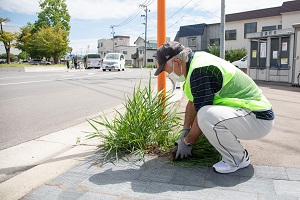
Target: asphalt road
[36, 104]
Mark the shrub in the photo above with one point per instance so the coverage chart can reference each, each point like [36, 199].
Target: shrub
[236, 54]
[149, 124]
[214, 50]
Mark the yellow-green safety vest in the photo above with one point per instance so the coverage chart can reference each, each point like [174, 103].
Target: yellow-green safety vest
[238, 89]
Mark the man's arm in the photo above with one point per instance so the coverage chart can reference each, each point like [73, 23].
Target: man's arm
[190, 121]
[190, 115]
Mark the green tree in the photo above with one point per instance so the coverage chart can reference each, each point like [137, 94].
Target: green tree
[52, 42]
[7, 38]
[26, 41]
[23, 55]
[53, 12]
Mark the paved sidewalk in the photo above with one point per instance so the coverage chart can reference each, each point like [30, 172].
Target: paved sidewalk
[157, 178]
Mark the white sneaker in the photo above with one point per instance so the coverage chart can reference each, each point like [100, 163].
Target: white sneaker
[224, 168]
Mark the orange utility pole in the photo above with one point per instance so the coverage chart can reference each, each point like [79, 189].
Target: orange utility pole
[161, 39]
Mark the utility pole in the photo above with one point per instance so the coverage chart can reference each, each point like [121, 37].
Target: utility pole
[113, 38]
[222, 36]
[146, 16]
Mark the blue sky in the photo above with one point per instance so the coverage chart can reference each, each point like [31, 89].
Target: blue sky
[91, 19]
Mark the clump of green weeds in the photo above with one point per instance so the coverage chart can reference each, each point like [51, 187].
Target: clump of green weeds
[150, 124]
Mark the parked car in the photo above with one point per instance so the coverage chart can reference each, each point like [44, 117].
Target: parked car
[39, 62]
[114, 61]
[242, 63]
[44, 62]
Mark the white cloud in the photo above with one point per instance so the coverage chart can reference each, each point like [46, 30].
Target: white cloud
[28, 7]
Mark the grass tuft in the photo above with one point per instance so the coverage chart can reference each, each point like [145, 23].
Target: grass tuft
[149, 125]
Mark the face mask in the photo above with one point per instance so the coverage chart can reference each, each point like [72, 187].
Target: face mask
[175, 78]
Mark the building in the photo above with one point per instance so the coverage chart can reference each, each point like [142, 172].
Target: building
[12, 29]
[127, 51]
[139, 55]
[270, 36]
[199, 36]
[119, 44]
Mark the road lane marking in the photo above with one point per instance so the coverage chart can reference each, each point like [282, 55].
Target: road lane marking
[28, 76]
[59, 79]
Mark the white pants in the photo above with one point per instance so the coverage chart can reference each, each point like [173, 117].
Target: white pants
[223, 126]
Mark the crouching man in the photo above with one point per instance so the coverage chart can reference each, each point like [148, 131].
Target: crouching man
[224, 104]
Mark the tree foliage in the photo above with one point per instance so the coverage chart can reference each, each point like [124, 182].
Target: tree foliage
[52, 42]
[23, 55]
[53, 12]
[7, 38]
[235, 54]
[48, 36]
[230, 55]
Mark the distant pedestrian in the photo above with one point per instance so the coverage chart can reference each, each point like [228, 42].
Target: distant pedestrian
[75, 62]
[68, 64]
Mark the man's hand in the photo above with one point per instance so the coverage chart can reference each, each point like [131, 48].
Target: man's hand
[184, 132]
[184, 150]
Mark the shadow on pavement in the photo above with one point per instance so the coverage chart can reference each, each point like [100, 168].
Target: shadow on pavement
[158, 175]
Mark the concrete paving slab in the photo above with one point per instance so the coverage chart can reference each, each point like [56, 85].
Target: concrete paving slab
[288, 188]
[293, 174]
[271, 172]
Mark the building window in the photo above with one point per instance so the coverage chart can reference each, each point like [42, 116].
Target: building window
[192, 41]
[279, 27]
[125, 52]
[268, 28]
[101, 44]
[215, 41]
[230, 34]
[250, 28]
[149, 60]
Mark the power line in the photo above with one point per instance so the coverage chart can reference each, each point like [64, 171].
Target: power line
[192, 8]
[134, 14]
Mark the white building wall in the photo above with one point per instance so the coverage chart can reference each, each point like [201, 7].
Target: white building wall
[185, 42]
[127, 51]
[150, 54]
[106, 45]
[288, 19]
[240, 41]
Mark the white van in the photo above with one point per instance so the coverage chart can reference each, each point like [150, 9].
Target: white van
[114, 61]
[93, 60]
